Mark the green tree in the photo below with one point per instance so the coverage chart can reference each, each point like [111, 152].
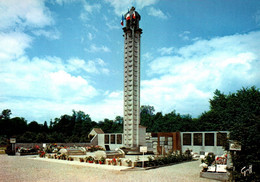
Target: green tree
[6, 113]
[45, 128]
[238, 113]
[146, 117]
[34, 127]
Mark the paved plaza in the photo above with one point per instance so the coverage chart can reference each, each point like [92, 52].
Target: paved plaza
[17, 168]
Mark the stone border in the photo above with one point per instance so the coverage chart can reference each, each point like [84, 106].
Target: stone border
[215, 176]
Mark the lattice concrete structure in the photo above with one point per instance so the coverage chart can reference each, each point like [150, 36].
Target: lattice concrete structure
[132, 34]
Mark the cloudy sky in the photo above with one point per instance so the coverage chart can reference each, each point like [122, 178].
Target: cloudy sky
[59, 55]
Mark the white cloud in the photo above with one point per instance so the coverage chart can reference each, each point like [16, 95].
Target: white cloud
[52, 34]
[166, 50]
[147, 56]
[38, 89]
[185, 35]
[91, 8]
[143, 3]
[120, 7]
[61, 2]
[94, 48]
[13, 44]
[20, 14]
[112, 25]
[43, 78]
[42, 109]
[156, 13]
[116, 94]
[110, 107]
[90, 36]
[186, 81]
[96, 66]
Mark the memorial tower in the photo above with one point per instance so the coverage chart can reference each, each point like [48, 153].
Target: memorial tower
[132, 35]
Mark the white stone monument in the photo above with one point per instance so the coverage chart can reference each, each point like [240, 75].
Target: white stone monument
[132, 34]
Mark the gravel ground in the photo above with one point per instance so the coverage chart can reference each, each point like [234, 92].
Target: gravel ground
[23, 168]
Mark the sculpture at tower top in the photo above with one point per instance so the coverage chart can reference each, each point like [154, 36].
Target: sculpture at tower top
[132, 18]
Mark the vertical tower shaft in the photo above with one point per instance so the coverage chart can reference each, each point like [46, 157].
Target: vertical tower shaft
[132, 34]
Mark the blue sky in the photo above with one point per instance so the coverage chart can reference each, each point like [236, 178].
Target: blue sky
[59, 55]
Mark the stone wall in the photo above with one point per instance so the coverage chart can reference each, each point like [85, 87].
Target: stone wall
[30, 145]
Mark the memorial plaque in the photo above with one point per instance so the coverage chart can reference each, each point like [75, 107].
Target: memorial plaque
[186, 139]
[234, 145]
[197, 139]
[12, 140]
[143, 149]
[106, 139]
[113, 139]
[209, 139]
[119, 139]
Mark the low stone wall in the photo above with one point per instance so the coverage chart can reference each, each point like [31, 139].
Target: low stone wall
[214, 176]
[30, 145]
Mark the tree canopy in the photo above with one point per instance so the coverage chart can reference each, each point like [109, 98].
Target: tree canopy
[238, 113]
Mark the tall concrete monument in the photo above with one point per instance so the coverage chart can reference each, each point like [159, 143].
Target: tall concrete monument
[134, 134]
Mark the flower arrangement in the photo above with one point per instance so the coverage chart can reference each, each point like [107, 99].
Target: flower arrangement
[150, 158]
[42, 154]
[119, 161]
[208, 159]
[129, 162]
[63, 156]
[222, 159]
[89, 159]
[204, 166]
[109, 162]
[114, 161]
[70, 159]
[95, 161]
[102, 160]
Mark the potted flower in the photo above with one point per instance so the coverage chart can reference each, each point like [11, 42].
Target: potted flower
[70, 159]
[42, 154]
[102, 160]
[90, 159]
[63, 156]
[95, 161]
[114, 161]
[129, 162]
[204, 167]
[119, 161]
[109, 162]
